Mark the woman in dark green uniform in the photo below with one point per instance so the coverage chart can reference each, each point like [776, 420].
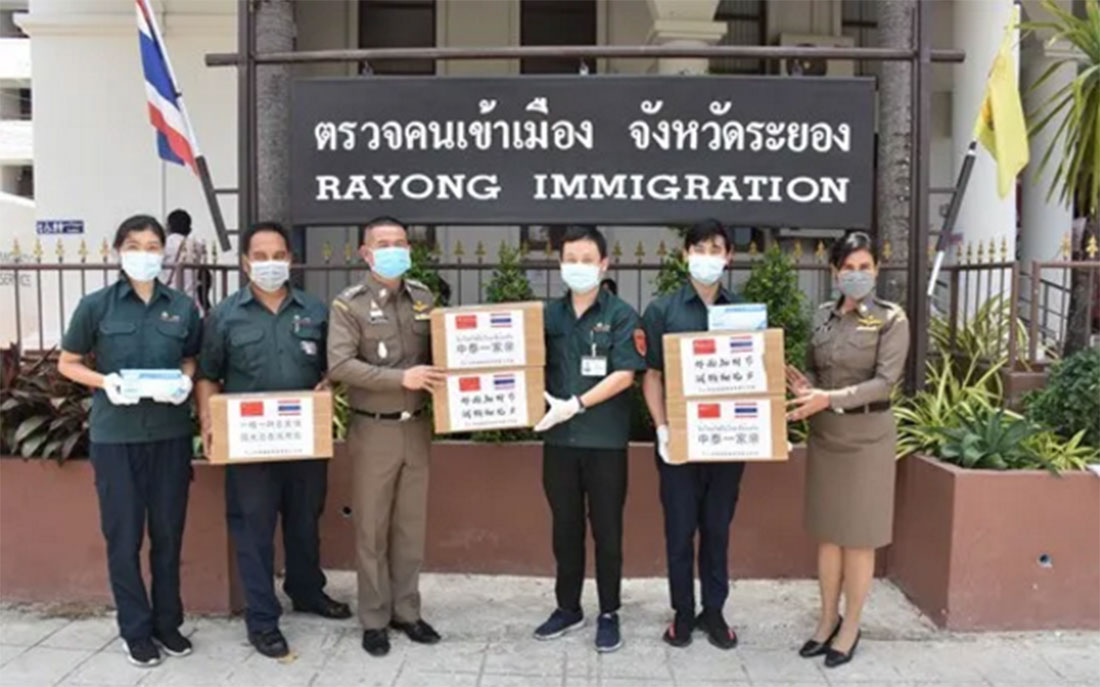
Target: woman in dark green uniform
[856, 357]
[140, 447]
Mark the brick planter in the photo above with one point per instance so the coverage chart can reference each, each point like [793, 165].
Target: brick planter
[986, 550]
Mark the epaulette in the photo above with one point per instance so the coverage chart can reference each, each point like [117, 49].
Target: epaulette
[417, 284]
[827, 305]
[888, 305]
[352, 291]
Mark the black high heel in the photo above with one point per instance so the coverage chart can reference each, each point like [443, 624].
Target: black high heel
[834, 658]
[814, 648]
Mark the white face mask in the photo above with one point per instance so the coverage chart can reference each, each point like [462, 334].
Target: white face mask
[141, 265]
[269, 275]
[580, 277]
[706, 269]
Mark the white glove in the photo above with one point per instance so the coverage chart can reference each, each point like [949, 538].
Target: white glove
[662, 442]
[112, 386]
[182, 392]
[560, 411]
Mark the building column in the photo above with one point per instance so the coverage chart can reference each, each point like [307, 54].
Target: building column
[683, 23]
[978, 29]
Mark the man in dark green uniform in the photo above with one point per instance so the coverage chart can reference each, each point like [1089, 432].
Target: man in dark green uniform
[270, 336]
[695, 496]
[594, 344]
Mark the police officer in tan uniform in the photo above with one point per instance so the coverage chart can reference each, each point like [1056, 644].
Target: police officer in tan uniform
[378, 346]
[856, 357]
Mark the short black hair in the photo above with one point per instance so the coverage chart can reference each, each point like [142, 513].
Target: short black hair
[179, 222]
[246, 237]
[851, 242]
[584, 232]
[705, 230]
[611, 286]
[136, 223]
[379, 221]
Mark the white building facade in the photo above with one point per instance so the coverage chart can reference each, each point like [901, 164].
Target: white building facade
[93, 150]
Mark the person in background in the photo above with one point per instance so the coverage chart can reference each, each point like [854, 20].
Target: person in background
[183, 249]
[697, 497]
[594, 345]
[379, 348]
[140, 447]
[856, 356]
[270, 336]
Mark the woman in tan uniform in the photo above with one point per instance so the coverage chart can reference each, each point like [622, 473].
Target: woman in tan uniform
[856, 357]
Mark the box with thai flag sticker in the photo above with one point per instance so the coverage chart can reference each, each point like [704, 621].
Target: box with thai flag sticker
[476, 400]
[488, 336]
[729, 429]
[723, 363]
[265, 427]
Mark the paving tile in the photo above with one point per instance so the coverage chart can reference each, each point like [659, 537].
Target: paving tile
[8, 652]
[526, 657]
[40, 666]
[260, 671]
[86, 633]
[349, 665]
[636, 660]
[1080, 664]
[1010, 664]
[872, 663]
[519, 681]
[26, 629]
[778, 665]
[110, 668]
[196, 670]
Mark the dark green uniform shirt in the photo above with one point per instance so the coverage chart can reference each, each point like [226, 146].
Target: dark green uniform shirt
[124, 332]
[609, 325]
[680, 311]
[248, 348]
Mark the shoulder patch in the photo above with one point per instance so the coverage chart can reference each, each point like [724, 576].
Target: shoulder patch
[416, 284]
[352, 291]
[827, 305]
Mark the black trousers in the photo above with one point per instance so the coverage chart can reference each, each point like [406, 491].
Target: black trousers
[573, 478]
[137, 484]
[256, 494]
[698, 497]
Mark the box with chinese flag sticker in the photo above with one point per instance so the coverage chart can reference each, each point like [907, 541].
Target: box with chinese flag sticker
[488, 336]
[266, 427]
[728, 429]
[725, 396]
[478, 400]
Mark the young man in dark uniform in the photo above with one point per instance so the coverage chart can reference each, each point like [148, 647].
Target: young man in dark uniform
[697, 497]
[594, 344]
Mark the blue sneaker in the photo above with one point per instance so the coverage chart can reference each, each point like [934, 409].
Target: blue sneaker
[608, 638]
[559, 623]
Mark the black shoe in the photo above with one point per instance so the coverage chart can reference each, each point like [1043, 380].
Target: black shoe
[325, 607]
[559, 624]
[271, 643]
[718, 631]
[173, 643]
[419, 632]
[376, 642]
[608, 637]
[142, 653]
[679, 630]
[814, 648]
[834, 658]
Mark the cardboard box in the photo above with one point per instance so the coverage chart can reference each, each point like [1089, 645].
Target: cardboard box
[503, 335]
[266, 427]
[728, 429]
[475, 400]
[702, 364]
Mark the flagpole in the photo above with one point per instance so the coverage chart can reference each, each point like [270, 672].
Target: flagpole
[201, 167]
[945, 239]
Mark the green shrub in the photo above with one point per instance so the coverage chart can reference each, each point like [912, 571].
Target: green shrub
[773, 281]
[424, 270]
[45, 414]
[1070, 403]
[991, 439]
[673, 273]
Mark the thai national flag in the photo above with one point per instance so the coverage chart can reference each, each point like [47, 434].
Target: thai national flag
[745, 411]
[292, 407]
[500, 319]
[175, 142]
[504, 382]
[740, 344]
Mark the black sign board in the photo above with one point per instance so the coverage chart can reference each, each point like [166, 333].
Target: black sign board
[750, 151]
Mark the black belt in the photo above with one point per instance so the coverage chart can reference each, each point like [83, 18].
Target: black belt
[403, 416]
[876, 407]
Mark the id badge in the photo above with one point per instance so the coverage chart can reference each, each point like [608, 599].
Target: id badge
[594, 366]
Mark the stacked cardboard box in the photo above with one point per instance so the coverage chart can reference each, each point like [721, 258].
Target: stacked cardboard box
[267, 427]
[725, 396]
[495, 357]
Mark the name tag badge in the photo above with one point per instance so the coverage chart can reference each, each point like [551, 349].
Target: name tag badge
[594, 366]
[309, 347]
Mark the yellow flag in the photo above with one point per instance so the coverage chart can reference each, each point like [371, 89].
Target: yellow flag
[1000, 126]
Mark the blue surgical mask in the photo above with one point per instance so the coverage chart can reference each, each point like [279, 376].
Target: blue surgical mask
[706, 269]
[855, 284]
[580, 277]
[141, 265]
[391, 262]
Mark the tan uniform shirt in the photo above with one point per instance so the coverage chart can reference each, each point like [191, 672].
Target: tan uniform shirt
[375, 334]
[858, 357]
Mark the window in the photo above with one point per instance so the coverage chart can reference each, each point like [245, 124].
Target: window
[398, 24]
[859, 19]
[745, 19]
[24, 103]
[24, 185]
[8, 27]
[557, 22]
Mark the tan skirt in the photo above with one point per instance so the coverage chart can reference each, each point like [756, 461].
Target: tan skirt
[850, 479]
